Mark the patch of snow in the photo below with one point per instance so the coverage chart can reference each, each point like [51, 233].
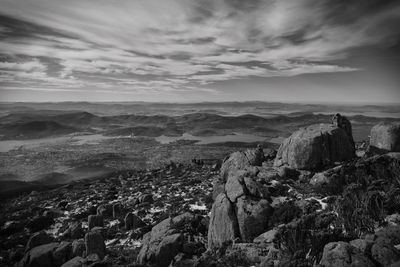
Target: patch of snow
[198, 207]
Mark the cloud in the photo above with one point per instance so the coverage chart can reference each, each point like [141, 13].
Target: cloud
[180, 45]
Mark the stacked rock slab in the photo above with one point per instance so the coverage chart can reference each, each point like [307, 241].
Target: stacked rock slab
[385, 137]
[241, 211]
[315, 147]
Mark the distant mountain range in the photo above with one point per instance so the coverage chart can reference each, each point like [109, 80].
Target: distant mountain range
[47, 123]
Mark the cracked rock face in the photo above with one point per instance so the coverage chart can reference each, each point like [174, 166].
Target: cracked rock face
[242, 210]
[315, 147]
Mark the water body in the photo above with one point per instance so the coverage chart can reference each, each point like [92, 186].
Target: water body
[8, 145]
[203, 140]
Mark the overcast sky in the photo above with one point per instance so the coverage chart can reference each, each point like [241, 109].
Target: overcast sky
[200, 50]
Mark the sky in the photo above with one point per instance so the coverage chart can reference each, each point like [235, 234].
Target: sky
[200, 50]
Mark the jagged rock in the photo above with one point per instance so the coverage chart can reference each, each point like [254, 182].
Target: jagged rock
[240, 160]
[39, 223]
[252, 216]
[37, 239]
[223, 222]
[342, 254]
[315, 147]
[385, 137]
[94, 244]
[95, 220]
[78, 247]
[132, 221]
[74, 262]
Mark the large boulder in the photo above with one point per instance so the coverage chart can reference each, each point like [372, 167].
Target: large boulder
[240, 160]
[223, 222]
[315, 147]
[252, 216]
[342, 254]
[166, 239]
[240, 212]
[385, 137]
[52, 254]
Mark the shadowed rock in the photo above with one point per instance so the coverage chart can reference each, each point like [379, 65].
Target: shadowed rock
[95, 220]
[94, 244]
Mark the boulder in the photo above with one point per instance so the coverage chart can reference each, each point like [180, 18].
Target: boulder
[315, 147]
[252, 216]
[223, 222]
[171, 237]
[266, 238]
[161, 244]
[385, 253]
[385, 137]
[40, 256]
[94, 244]
[240, 160]
[52, 254]
[243, 182]
[342, 254]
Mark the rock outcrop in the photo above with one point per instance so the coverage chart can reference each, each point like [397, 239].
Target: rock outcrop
[385, 137]
[169, 238]
[315, 147]
[242, 210]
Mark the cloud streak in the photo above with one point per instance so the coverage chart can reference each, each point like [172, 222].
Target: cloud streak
[180, 45]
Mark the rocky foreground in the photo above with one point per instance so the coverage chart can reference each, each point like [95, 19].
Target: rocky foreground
[311, 203]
